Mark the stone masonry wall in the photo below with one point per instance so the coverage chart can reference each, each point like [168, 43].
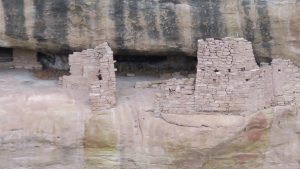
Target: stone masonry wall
[93, 70]
[286, 81]
[25, 59]
[229, 81]
[102, 90]
[226, 74]
[177, 96]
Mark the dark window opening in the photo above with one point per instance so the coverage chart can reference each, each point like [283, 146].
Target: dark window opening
[214, 80]
[6, 54]
[262, 60]
[229, 70]
[279, 70]
[247, 80]
[216, 70]
[243, 69]
[99, 77]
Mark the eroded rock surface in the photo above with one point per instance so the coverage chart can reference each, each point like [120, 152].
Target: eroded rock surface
[46, 126]
[42, 126]
[205, 141]
[53, 128]
[150, 27]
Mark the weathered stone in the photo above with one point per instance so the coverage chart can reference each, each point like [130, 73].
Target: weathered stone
[150, 27]
[232, 83]
[44, 126]
[93, 70]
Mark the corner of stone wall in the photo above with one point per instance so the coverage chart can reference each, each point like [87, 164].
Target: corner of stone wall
[93, 70]
[229, 80]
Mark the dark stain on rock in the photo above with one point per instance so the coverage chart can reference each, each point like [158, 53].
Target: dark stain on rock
[98, 27]
[51, 21]
[82, 12]
[168, 20]
[39, 25]
[150, 18]
[97, 11]
[119, 19]
[14, 19]
[264, 22]
[248, 31]
[207, 20]
[80, 6]
[58, 18]
[133, 15]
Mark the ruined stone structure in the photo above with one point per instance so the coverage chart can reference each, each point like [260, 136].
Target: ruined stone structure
[286, 81]
[26, 59]
[93, 70]
[19, 59]
[227, 74]
[177, 96]
[229, 81]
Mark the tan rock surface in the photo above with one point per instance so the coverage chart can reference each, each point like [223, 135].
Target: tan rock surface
[41, 125]
[152, 26]
[52, 128]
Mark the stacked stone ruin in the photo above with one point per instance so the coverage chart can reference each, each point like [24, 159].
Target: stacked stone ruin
[25, 59]
[286, 82]
[93, 70]
[226, 75]
[177, 96]
[229, 81]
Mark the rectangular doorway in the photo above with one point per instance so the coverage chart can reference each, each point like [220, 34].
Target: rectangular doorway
[6, 54]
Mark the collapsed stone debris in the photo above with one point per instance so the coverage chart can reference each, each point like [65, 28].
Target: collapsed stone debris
[229, 81]
[93, 70]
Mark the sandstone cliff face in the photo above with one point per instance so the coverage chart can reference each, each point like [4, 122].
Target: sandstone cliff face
[150, 27]
[43, 126]
[267, 139]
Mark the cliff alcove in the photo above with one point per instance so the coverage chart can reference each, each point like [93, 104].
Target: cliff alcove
[155, 65]
[149, 84]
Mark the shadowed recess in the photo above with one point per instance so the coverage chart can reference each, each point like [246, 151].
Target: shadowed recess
[155, 64]
[6, 54]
